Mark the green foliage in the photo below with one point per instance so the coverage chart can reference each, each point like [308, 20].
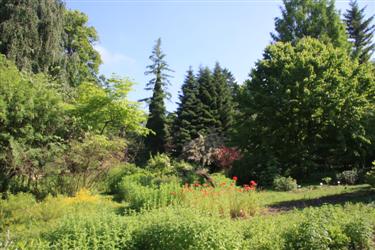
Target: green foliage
[107, 110]
[160, 164]
[310, 18]
[329, 229]
[185, 229]
[305, 108]
[187, 112]
[87, 161]
[281, 183]
[30, 33]
[370, 175]
[116, 173]
[143, 191]
[360, 32]
[157, 120]
[348, 176]
[327, 180]
[31, 122]
[81, 61]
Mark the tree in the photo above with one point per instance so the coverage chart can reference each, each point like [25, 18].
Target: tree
[31, 124]
[207, 114]
[224, 91]
[81, 61]
[315, 18]
[106, 110]
[187, 112]
[156, 141]
[360, 32]
[305, 109]
[30, 33]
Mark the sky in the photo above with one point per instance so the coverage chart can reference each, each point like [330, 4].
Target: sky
[193, 32]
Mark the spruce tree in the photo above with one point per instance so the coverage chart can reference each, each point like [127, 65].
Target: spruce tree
[207, 105]
[157, 120]
[224, 103]
[187, 112]
[360, 32]
[315, 18]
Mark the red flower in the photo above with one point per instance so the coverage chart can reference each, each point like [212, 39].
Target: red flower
[253, 183]
[235, 178]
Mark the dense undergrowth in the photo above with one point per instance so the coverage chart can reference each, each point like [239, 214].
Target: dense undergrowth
[161, 213]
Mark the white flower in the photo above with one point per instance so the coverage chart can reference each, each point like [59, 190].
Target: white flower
[321, 184]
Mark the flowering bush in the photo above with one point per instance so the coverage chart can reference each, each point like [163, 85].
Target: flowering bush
[225, 156]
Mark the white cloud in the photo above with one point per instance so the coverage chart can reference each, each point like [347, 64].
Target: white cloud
[112, 58]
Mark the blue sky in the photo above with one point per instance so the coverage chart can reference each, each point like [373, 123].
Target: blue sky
[193, 33]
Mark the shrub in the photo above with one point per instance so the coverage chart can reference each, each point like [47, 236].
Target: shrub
[101, 231]
[281, 183]
[361, 234]
[160, 164]
[140, 191]
[117, 173]
[181, 228]
[348, 177]
[327, 180]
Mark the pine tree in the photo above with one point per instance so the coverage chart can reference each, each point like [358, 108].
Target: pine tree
[157, 120]
[360, 32]
[315, 18]
[187, 112]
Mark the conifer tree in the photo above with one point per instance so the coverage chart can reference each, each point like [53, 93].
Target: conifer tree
[30, 33]
[157, 120]
[187, 112]
[360, 32]
[315, 18]
[207, 105]
[224, 103]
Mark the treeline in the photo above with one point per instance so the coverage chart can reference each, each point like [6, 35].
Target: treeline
[308, 107]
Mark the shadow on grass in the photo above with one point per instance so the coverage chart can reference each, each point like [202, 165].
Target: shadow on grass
[362, 195]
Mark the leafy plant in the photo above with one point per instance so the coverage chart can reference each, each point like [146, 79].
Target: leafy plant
[348, 177]
[282, 183]
[327, 180]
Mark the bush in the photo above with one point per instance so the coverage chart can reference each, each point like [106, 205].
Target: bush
[282, 183]
[348, 177]
[327, 180]
[330, 228]
[116, 174]
[361, 234]
[141, 191]
[160, 164]
[173, 228]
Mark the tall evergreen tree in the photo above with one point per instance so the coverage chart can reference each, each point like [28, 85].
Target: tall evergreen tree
[187, 112]
[30, 33]
[360, 31]
[157, 120]
[315, 18]
[207, 105]
[224, 103]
